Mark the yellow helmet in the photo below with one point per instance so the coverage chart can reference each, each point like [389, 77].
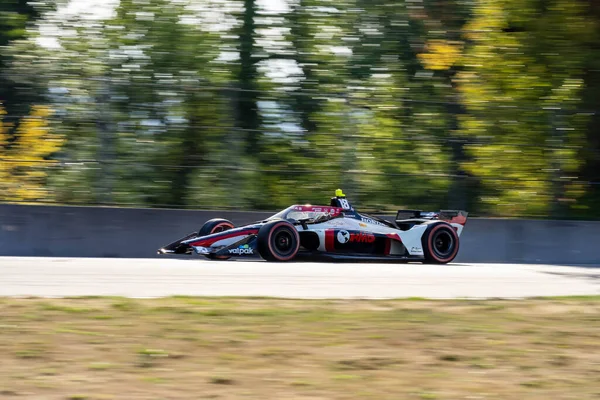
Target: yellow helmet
[339, 193]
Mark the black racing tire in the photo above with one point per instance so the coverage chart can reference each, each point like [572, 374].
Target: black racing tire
[278, 240]
[215, 225]
[440, 243]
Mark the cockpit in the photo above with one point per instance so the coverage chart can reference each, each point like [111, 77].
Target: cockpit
[308, 213]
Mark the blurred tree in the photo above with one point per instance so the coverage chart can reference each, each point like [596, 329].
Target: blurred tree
[248, 116]
[133, 97]
[23, 161]
[160, 68]
[590, 153]
[319, 97]
[522, 86]
[404, 111]
[301, 35]
[243, 104]
[16, 16]
[359, 64]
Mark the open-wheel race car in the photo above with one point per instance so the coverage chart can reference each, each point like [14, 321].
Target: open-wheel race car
[336, 231]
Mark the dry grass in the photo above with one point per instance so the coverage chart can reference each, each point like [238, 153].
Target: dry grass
[198, 348]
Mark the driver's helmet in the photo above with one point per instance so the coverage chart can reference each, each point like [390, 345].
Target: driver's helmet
[335, 201]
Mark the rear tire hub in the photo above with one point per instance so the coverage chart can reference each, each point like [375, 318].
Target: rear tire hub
[443, 244]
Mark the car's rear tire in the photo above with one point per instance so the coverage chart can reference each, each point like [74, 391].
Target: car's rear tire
[215, 225]
[278, 241]
[440, 243]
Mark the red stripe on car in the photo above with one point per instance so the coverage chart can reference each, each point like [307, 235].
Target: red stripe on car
[329, 236]
[388, 246]
[224, 235]
[394, 236]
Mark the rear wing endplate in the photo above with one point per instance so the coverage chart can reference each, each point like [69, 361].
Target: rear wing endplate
[451, 216]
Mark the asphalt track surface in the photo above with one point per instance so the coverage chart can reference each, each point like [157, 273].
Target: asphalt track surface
[143, 278]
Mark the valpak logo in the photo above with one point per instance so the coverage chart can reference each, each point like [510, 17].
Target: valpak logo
[243, 249]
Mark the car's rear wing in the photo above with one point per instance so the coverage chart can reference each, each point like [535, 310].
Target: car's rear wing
[454, 216]
[451, 216]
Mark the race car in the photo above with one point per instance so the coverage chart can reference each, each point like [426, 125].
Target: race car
[337, 231]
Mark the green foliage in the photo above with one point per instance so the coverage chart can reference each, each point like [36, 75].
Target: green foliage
[16, 16]
[477, 105]
[522, 102]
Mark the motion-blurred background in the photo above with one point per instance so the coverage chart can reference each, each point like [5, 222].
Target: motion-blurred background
[485, 105]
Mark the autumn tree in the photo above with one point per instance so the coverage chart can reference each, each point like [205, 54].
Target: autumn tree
[24, 162]
[522, 86]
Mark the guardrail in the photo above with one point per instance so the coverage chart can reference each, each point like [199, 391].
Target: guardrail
[59, 231]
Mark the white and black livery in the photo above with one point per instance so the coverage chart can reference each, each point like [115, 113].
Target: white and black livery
[337, 231]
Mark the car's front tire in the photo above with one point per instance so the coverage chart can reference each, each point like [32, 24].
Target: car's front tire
[278, 241]
[440, 243]
[215, 225]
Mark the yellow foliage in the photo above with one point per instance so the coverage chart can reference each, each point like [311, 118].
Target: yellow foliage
[23, 168]
[440, 55]
[524, 188]
[489, 18]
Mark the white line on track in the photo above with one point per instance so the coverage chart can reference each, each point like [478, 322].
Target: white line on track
[141, 278]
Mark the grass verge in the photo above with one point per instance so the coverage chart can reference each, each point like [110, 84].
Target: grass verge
[203, 348]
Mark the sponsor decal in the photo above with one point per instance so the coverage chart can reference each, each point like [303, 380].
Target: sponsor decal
[336, 223]
[347, 237]
[371, 221]
[326, 210]
[362, 238]
[363, 225]
[416, 250]
[202, 250]
[343, 236]
[243, 249]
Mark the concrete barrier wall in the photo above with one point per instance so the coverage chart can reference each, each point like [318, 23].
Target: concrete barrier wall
[530, 241]
[121, 232]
